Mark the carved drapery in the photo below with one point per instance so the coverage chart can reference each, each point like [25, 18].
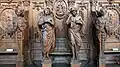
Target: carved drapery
[60, 11]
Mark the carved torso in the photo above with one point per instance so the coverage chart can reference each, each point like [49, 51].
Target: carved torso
[75, 23]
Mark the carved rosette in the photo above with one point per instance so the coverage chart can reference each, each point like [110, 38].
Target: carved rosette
[60, 8]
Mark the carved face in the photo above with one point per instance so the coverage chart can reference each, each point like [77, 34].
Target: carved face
[22, 25]
[9, 17]
[47, 11]
[71, 2]
[74, 12]
[19, 11]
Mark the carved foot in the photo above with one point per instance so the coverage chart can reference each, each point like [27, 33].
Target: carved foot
[74, 58]
[46, 56]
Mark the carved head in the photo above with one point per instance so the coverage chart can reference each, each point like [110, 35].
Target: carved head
[73, 11]
[47, 11]
[100, 13]
[19, 11]
[71, 2]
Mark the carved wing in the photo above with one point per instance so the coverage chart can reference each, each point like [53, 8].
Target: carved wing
[38, 29]
[40, 19]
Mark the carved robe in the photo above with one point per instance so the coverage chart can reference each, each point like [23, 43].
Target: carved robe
[75, 24]
[48, 33]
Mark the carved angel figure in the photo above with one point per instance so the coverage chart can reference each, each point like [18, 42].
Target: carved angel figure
[75, 24]
[20, 20]
[98, 31]
[47, 26]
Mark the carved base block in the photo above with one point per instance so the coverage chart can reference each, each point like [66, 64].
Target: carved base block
[47, 63]
[102, 65]
[75, 64]
[19, 64]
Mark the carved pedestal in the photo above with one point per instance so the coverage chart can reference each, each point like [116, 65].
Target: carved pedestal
[61, 54]
[47, 63]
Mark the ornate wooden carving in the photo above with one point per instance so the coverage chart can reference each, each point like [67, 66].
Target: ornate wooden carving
[112, 19]
[13, 26]
[75, 24]
[47, 27]
[110, 23]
